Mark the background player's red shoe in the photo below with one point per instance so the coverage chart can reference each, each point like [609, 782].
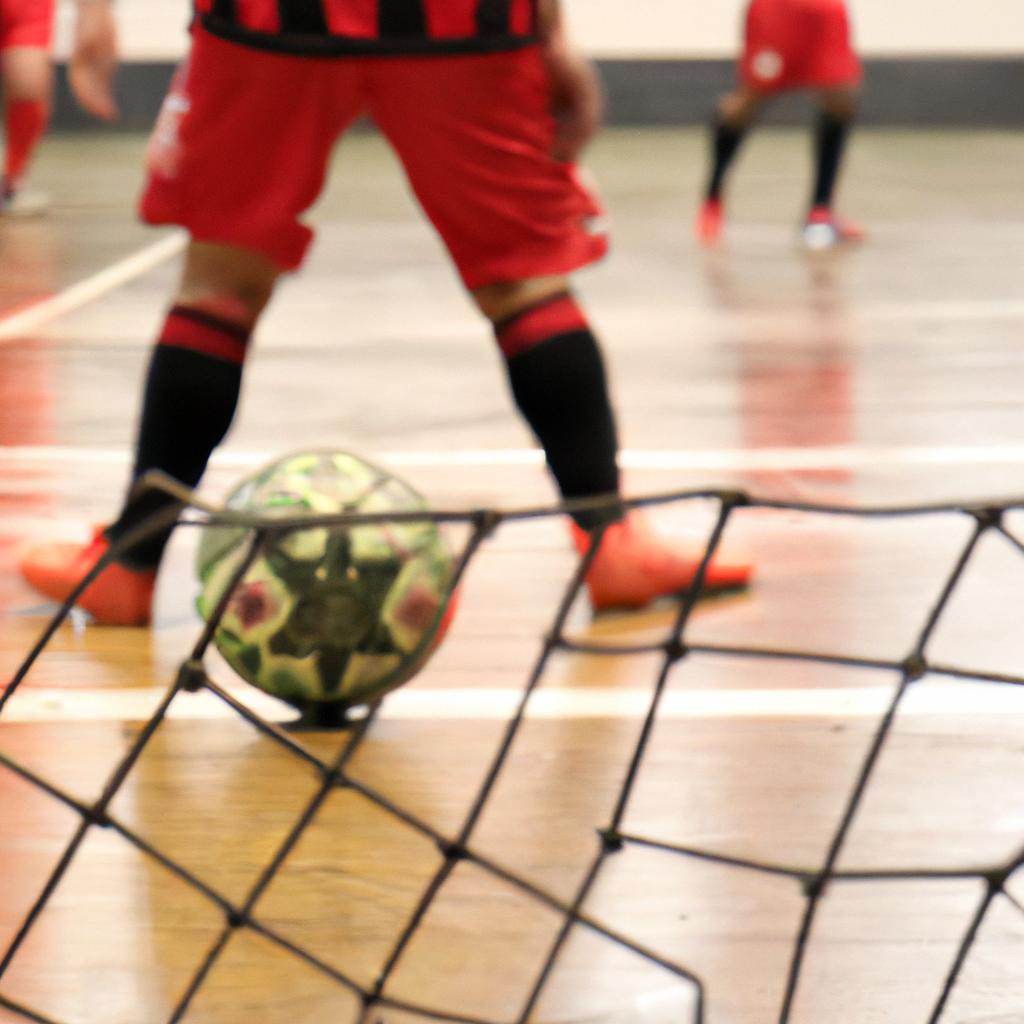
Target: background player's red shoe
[118, 597]
[634, 567]
[709, 222]
[823, 229]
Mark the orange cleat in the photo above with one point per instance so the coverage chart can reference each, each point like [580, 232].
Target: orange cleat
[118, 597]
[635, 567]
[709, 222]
[823, 229]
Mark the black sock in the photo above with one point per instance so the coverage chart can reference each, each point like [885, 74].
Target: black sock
[726, 140]
[829, 143]
[558, 380]
[190, 398]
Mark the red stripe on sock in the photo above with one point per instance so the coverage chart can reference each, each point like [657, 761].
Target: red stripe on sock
[525, 330]
[24, 124]
[200, 332]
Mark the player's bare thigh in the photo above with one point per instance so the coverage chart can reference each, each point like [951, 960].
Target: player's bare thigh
[742, 105]
[238, 283]
[26, 73]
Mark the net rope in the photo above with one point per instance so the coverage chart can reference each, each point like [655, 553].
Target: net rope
[334, 774]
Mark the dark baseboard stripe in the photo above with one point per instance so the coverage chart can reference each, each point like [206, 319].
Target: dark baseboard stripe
[924, 92]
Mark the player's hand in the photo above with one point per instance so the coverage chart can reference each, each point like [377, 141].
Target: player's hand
[94, 59]
[577, 100]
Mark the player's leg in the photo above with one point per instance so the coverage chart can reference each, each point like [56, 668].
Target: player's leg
[836, 115]
[217, 168]
[761, 71]
[191, 392]
[476, 135]
[557, 377]
[477, 147]
[26, 81]
[194, 378]
[734, 116]
[833, 70]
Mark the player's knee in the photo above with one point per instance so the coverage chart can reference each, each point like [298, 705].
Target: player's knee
[498, 302]
[27, 75]
[738, 108]
[840, 103]
[231, 283]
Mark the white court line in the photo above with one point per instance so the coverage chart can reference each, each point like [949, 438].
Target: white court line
[737, 459]
[463, 704]
[39, 314]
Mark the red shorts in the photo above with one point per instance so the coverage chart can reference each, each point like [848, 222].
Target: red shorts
[26, 23]
[241, 148]
[798, 44]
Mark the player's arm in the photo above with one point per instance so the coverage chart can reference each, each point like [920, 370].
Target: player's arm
[94, 58]
[577, 100]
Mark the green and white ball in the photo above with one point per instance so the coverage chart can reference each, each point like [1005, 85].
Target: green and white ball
[328, 615]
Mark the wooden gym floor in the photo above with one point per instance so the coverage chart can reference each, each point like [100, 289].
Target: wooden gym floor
[883, 376]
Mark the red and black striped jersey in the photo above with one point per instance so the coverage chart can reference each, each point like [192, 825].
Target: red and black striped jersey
[372, 27]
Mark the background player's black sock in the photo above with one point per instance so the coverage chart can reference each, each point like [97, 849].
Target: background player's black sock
[191, 394]
[558, 380]
[726, 140]
[829, 143]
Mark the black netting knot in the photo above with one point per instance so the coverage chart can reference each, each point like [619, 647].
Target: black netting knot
[611, 840]
[553, 642]
[734, 499]
[988, 518]
[814, 886]
[915, 667]
[996, 881]
[235, 918]
[676, 650]
[485, 521]
[192, 676]
[452, 851]
[96, 817]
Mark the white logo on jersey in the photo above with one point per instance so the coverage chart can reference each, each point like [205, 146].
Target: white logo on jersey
[768, 65]
[163, 154]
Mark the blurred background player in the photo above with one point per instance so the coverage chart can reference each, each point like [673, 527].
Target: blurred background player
[26, 84]
[488, 107]
[789, 45]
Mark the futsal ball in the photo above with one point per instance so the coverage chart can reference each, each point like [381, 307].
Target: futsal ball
[337, 614]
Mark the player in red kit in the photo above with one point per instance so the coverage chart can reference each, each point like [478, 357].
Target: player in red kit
[26, 82]
[791, 44]
[488, 107]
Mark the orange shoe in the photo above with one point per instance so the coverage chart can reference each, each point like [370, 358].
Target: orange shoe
[709, 222]
[635, 567]
[118, 597]
[823, 229]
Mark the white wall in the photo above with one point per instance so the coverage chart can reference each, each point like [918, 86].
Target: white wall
[154, 29]
[150, 29]
[710, 28]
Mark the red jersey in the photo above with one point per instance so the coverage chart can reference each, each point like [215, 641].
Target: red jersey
[798, 44]
[372, 27]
